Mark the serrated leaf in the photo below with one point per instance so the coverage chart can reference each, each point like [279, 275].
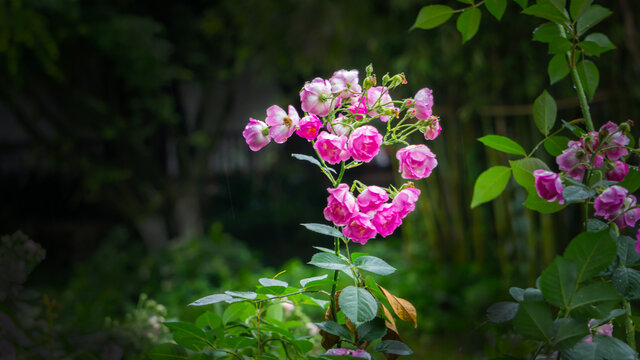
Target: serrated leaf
[306, 281]
[557, 68]
[602, 347]
[592, 252]
[211, 299]
[558, 282]
[627, 254]
[568, 332]
[357, 304]
[432, 16]
[602, 40]
[594, 293]
[546, 33]
[544, 112]
[591, 17]
[556, 144]
[468, 23]
[324, 230]
[374, 265]
[502, 312]
[589, 76]
[545, 10]
[312, 160]
[490, 184]
[578, 7]
[627, 283]
[533, 321]
[392, 347]
[502, 143]
[496, 7]
[334, 328]
[559, 46]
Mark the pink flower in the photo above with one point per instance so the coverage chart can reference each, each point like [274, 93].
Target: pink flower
[371, 198]
[638, 242]
[433, 129]
[416, 161]
[571, 158]
[337, 126]
[359, 229]
[358, 108]
[610, 201]
[364, 143]
[341, 205]
[256, 134]
[615, 137]
[377, 97]
[618, 172]
[626, 215]
[332, 148]
[424, 103]
[345, 80]
[282, 124]
[316, 97]
[386, 219]
[548, 185]
[405, 201]
[604, 329]
[355, 353]
[308, 127]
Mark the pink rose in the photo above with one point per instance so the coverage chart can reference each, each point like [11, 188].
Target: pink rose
[282, 124]
[316, 97]
[364, 143]
[424, 103]
[359, 353]
[433, 130]
[332, 148]
[638, 242]
[308, 127]
[571, 158]
[345, 80]
[341, 205]
[626, 215]
[405, 201]
[359, 229]
[614, 137]
[337, 126]
[548, 185]
[371, 198]
[256, 134]
[610, 201]
[416, 162]
[358, 108]
[618, 171]
[604, 329]
[378, 97]
[386, 220]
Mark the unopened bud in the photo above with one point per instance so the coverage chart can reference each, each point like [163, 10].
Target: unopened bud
[369, 82]
[369, 70]
[265, 131]
[398, 79]
[625, 127]
[385, 79]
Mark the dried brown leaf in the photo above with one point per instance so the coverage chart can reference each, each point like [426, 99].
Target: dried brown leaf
[403, 308]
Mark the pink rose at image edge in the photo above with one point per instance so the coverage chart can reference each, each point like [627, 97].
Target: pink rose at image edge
[308, 127]
[416, 161]
[364, 143]
[359, 229]
[341, 205]
[423, 104]
[332, 148]
[610, 201]
[316, 97]
[254, 134]
[548, 185]
[282, 124]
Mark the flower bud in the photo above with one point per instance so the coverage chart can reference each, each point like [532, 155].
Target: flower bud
[625, 127]
[385, 79]
[397, 80]
[369, 82]
[369, 70]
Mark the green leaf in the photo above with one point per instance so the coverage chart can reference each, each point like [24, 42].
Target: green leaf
[312, 160]
[627, 282]
[558, 68]
[249, 295]
[523, 171]
[627, 254]
[591, 18]
[578, 7]
[496, 7]
[188, 335]
[167, 352]
[602, 348]
[631, 182]
[392, 347]
[546, 10]
[328, 261]
[592, 251]
[267, 282]
[334, 328]
[522, 3]
[558, 282]
[208, 319]
[358, 305]
[612, 315]
[533, 321]
[544, 112]
[374, 265]
[555, 145]
[589, 76]
[559, 46]
[490, 184]
[569, 331]
[594, 293]
[372, 330]
[432, 16]
[602, 40]
[502, 312]
[532, 294]
[575, 193]
[238, 311]
[324, 230]
[516, 293]
[546, 33]
[468, 23]
[305, 282]
[502, 143]
[211, 299]
[536, 203]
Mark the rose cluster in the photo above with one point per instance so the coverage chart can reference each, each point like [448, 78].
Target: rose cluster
[338, 120]
[605, 149]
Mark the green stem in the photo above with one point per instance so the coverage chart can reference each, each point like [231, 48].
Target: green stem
[582, 97]
[631, 336]
[336, 244]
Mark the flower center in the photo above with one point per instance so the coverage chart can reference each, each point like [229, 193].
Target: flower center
[287, 121]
